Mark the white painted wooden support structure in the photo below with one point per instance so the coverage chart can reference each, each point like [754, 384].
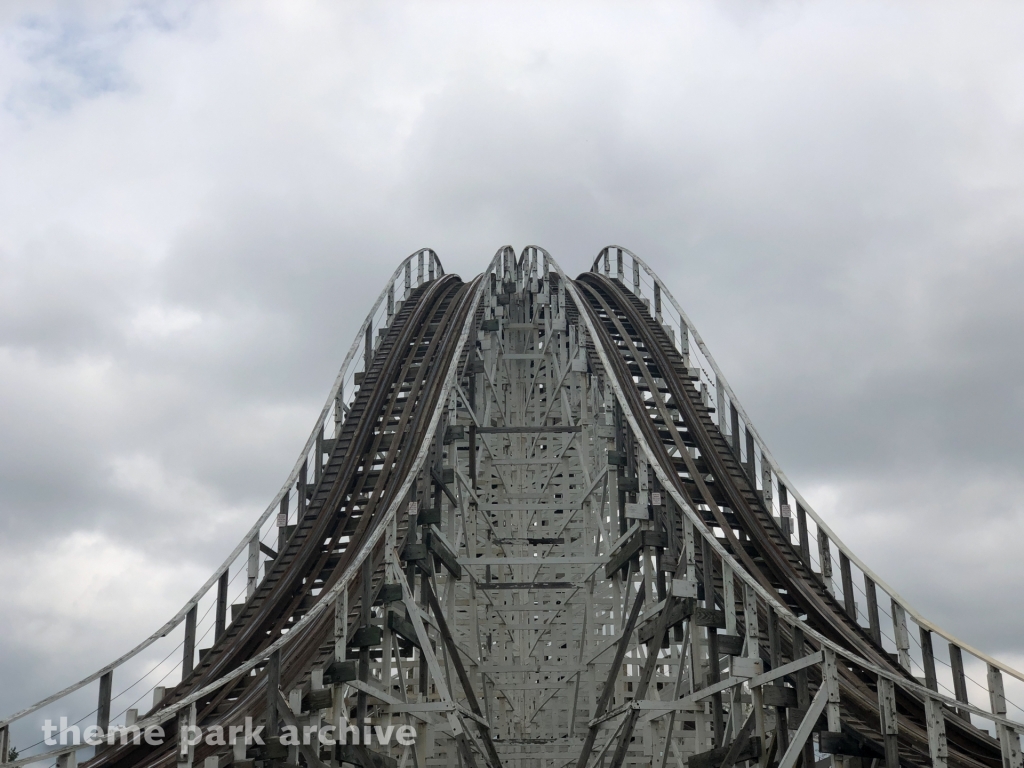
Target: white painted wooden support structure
[538, 469]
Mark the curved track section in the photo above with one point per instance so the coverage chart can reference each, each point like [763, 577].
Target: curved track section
[534, 526]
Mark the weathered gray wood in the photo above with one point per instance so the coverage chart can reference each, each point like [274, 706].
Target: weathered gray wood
[188, 658]
[803, 694]
[805, 546]
[222, 606]
[936, 722]
[874, 624]
[273, 691]
[252, 566]
[103, 707]
[956, 663]
[901, 634]
[849, 601]
[928, 660]
[888, 721]
[825, 560]
[775, 657]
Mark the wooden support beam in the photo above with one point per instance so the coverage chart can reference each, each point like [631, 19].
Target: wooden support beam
[803, 694]
[888, 721]
[901, 634]
[222, 606]
[928, 660]
[936, 722]
[103, 706]
[830, 682]
[825, 560]
[956, 664]
[1009, 739]
[253, 566]
[874, 625]
[805, 546]
[708, 561]
[273, 691]
[188, 658]
[849, 601]
[775, 657]
[5, 742]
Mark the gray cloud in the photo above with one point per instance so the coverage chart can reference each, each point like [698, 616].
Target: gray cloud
[198, 205]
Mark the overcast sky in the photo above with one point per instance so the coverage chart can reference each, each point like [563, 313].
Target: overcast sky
[199, 201]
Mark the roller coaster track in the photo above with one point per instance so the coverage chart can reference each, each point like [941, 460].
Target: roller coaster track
[534, 525]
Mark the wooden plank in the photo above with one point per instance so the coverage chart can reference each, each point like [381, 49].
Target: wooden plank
[888, 721]
[102, 708]
[938, 748]
[956, 663]
[221, 619]
[928, 660]
[874, 625]
[188, 657]
[849, 601]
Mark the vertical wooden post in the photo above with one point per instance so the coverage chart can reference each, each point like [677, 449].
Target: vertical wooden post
[956, 663]
[902, 635]
[751, 464]
[636, 277]
[186, 752]
[365, 602]
[302, 500]
[849, 601]
[68, 760]
[775, 656]
[5, 742]
[928, 660]
[937, 747]
[657, 301]
[830, 679]
[734, 431]
[222, 606]
[803, 694]
[188, 658]
[714, 660]
[253, 567]
[874, 625]
[825, 557]
[318, 466]
[368, 349]
[282, 516]
[618, 265]
[1009, 739]
[273, 690]
[887, 717]
[805, 546]
[419, 269]
[408, 278]
[102, 707]
[391, 301]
